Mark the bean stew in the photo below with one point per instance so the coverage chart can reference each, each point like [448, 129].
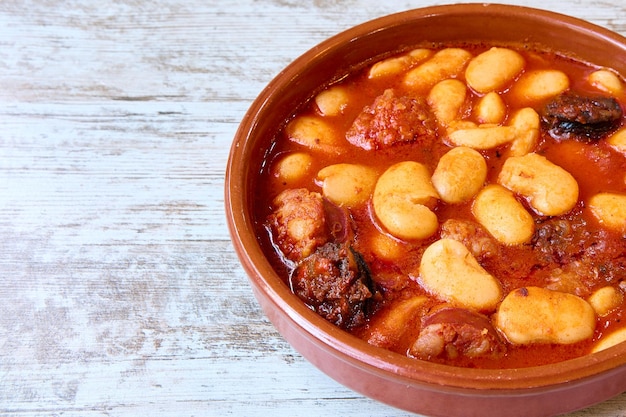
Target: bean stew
[461, 204]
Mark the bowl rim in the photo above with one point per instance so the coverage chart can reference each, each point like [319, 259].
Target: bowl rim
[264, 278]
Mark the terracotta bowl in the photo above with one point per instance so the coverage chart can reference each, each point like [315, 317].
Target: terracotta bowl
[411, 384]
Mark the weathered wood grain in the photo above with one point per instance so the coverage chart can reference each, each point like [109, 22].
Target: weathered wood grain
[120, 293]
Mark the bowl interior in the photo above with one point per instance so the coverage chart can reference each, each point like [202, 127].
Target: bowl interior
[332, 60]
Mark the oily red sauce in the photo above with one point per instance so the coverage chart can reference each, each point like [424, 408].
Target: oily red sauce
[595, 166]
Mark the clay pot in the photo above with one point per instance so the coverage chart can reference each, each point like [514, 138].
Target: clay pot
[410, 384]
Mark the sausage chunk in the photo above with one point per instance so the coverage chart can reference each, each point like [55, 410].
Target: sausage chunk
[335, 282]
[298, 223]
[479, 242]
[452, 332]
[392, 120]
[582, 258]
[571, 116]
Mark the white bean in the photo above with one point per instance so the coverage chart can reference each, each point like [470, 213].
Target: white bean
[610, 210]
[451, 273]
[497, 210]
[389, 326]
[347, 184]
[402, 200]
[550, 189]
[459, 175]
[618, 141]
[396, 65]
[538, 85]
[522, 133]
[386, 247]
[610, 340]
[537, 315]
[314, 133]
[493, 69]
[527, 124]
[607, 81]
[293, 167]
[447, 63]
[405, 219]
[446, 99]
[490, 109]
[605, 300]
[332, 101]
[408, 178]
[481, 137]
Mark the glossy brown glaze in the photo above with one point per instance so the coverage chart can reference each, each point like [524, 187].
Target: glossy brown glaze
[406, 383]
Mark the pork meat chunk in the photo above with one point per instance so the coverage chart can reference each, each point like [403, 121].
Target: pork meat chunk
[392, 120]
[298, 223]
[452, 332]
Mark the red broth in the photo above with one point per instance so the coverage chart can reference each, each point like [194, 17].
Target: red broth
[571, 253]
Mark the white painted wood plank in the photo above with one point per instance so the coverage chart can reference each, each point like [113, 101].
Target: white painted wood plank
[121, 294]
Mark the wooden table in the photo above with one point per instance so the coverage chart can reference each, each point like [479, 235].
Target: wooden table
[121, 294]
